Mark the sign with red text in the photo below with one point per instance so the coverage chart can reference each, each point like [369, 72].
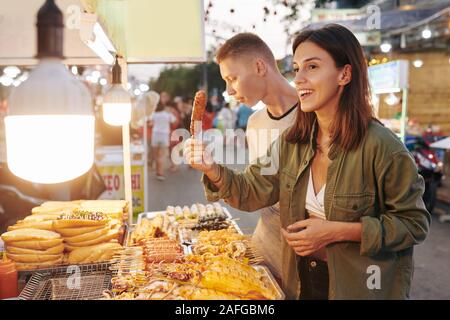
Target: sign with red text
[114, 181]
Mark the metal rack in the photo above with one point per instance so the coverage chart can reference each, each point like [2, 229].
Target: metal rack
[78, 282]
[265, 273]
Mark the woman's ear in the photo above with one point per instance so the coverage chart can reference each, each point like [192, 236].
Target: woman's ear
[345, 75]
[261, 67]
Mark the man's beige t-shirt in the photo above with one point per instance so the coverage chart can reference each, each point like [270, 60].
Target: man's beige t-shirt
[262, 130]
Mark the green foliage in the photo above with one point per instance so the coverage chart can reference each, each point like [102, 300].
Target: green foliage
[184, 81]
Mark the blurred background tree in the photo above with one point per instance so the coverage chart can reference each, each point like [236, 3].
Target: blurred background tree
[185, 80]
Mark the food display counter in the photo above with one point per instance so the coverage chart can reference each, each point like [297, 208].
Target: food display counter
[83, 250]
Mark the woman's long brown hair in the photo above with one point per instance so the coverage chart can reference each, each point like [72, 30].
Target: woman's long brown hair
[354, 109]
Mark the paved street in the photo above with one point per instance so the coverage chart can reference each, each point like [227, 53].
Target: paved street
[431, 278]
[432, 262]
[184, 188]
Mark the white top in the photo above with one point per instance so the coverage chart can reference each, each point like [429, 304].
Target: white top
[161, 121]
[267, 236]
[315, 202]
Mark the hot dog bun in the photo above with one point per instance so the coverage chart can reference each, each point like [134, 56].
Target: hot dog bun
[71, 232]
[112, 234]
[29, 234]
[95, 253]
[43, 225]
[53, 250]
[36, 245]
[33, 258]
[87, 236]
[37, 265]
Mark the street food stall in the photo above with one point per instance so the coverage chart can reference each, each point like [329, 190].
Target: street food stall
[387, 81]
[92, 249]
[189, 253]
[109, 161]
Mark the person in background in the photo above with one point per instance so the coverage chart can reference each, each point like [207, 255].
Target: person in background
[161, 121]
[146, 105]
[216, 103]
[208, 117]
[185, 112]
[165, 99]
[225, 117]
[187, 107]
[179, 105]
[173, 109]
[243, 113]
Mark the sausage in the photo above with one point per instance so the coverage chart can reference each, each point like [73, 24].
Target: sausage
[164, 256]
[198, 109]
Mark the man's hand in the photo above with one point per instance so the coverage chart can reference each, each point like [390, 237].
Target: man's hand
[197, 156]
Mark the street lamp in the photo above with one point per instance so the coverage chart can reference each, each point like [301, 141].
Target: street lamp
[50, 124]
[117, 112]
[426, 33]
[385, 47]
[117, 101]
[418, 63]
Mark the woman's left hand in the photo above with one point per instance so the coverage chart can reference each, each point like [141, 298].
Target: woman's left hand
[308, 236]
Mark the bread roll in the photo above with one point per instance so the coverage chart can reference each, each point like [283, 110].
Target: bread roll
[96, 253]
[41, 217]
[115, 223]
[33, 258]
[29, 234]
[113, 213]
[80, 218]
[36, 245]
[53, 250]
[71, 232]
[75, 223]
[51, 210]
[43, 225]
[115, 209]
[87, 236]
[104, 204]
[38, 265]
[61, 204]
[112, 234]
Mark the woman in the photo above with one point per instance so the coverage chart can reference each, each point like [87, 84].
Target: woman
[349, 192]
[161, 121]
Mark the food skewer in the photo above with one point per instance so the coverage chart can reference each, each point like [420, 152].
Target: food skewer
[197, 112]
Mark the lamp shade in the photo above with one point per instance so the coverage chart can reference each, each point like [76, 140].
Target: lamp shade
[50, 126]
[117, 106]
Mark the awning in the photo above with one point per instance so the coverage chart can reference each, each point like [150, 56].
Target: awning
[441, 144]
[146, 31]
[390, 20]
[143, 31]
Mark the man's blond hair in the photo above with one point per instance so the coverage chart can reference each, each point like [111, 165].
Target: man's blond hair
[245, 44]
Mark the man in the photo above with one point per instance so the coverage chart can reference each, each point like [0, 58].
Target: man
[251, 74]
